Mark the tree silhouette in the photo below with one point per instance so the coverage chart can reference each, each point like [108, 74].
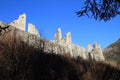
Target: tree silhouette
[100, 9]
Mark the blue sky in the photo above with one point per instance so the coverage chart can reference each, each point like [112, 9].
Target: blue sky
[48, 15]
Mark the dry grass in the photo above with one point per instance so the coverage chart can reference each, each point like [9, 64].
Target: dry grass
[18, 61]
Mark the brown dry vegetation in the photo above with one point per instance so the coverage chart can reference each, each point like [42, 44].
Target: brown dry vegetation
[112, 52]
[19, 61]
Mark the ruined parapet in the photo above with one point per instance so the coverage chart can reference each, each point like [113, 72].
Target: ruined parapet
[32, 29]
[98, 46]
[97, 53]
[20, 23]
[89, 48]
[59, 39]
[95, 46]
[68, 37]
[58, 35]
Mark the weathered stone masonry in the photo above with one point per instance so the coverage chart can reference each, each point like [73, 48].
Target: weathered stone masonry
[20, 23]
[93, 52]
[60, 45]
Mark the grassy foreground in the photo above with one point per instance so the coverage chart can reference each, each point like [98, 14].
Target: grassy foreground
[19, 61]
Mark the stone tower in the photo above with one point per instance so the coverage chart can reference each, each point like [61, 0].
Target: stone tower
[95, 46]
[20, 23]
[89, 48]
[89, 51]
[68, 37]
[58, 35]
[32, 29]
[98, 46]
[97, 52]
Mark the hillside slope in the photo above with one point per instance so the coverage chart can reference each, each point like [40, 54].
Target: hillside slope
[19, 61]
[112, 52]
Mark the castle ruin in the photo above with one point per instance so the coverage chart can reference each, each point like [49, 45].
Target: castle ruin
[32, 29]
[60, 45]
[20, 23]
[59, 39]
[93, 52]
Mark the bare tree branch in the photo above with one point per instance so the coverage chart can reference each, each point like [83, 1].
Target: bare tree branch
[100, 9]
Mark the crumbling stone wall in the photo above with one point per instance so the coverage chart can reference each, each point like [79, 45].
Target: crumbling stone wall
[68, 37]
[32, 29]
[58, 35]
[94, 52]
[60, 45]
[20, 23]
